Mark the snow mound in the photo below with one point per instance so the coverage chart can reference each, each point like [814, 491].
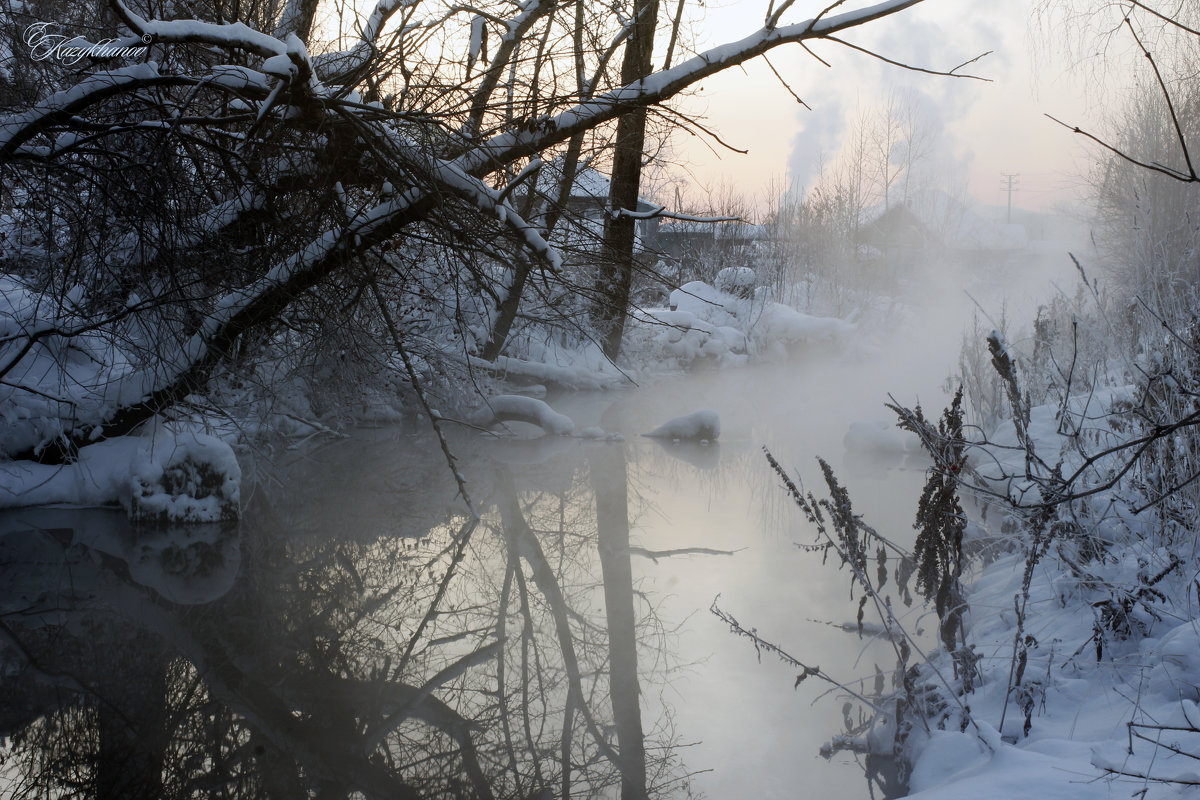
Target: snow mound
[947, 756]
[699, 426]
[1177, 673]
[515, 408]
[726, 326]
[170, 476]
[188, 477]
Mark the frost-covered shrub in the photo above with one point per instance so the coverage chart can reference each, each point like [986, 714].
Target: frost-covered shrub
[1073, 345]
[737, 281]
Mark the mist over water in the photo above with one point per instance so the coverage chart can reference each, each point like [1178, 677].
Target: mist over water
[751, 727]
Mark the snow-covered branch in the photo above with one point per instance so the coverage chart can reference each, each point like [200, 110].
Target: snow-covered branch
[337, 68]
[61, 107]
[660, 212]
[19, 128]
[663, 85]
[233, 36]
[515, 29]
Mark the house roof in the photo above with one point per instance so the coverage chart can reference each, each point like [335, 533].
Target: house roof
[898, 226]
[933, 216]
[589, 183]
[729, 230]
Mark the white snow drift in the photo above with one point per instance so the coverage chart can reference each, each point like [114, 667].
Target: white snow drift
[726, 327]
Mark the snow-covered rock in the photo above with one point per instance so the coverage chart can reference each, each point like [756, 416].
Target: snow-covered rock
[515, 408]
[699, 426]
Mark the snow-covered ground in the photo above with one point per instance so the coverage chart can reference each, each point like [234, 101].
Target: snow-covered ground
[1105, 670]
[1079, 737]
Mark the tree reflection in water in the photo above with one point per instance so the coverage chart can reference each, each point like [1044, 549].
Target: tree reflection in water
[481, 658]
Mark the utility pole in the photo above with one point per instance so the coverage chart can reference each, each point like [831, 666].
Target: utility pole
[1013, 179]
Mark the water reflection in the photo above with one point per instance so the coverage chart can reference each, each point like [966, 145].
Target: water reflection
[370, 645]
[360, 636]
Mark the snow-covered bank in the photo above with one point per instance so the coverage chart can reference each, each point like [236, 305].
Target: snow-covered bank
[1067, 728]
[161, 476]
[1083, 616]
[708, 325]
[64, 375]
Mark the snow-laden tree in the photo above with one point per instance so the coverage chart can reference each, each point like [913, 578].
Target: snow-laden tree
[239, 182]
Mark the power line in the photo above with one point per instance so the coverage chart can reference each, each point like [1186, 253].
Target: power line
[1012, 178]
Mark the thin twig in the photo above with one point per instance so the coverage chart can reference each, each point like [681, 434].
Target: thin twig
[911, 68]
[1170, 172]
[1187, 157]
[785, 84]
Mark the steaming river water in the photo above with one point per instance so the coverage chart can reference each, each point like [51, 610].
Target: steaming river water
[292, 628]
[358, 635]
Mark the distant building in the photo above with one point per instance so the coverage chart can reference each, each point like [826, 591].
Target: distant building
[898, 229]
[935, 224]
[581, 228]
[678, 238]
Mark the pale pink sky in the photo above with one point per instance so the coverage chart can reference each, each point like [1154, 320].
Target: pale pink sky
[990, 128]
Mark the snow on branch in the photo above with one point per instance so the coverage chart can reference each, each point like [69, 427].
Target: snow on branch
[530, 169]
[516, 28]
[516, 408]
[233, 35]
[19, 128]
[490, 200]
[660, 212]
[339, 66]
[449, 176]
[283, 57]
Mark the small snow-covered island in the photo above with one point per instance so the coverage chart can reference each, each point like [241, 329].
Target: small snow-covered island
[700, 426]
[411, 399]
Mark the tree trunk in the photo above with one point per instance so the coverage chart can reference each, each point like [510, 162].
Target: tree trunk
[506, 312]
[616, 276]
